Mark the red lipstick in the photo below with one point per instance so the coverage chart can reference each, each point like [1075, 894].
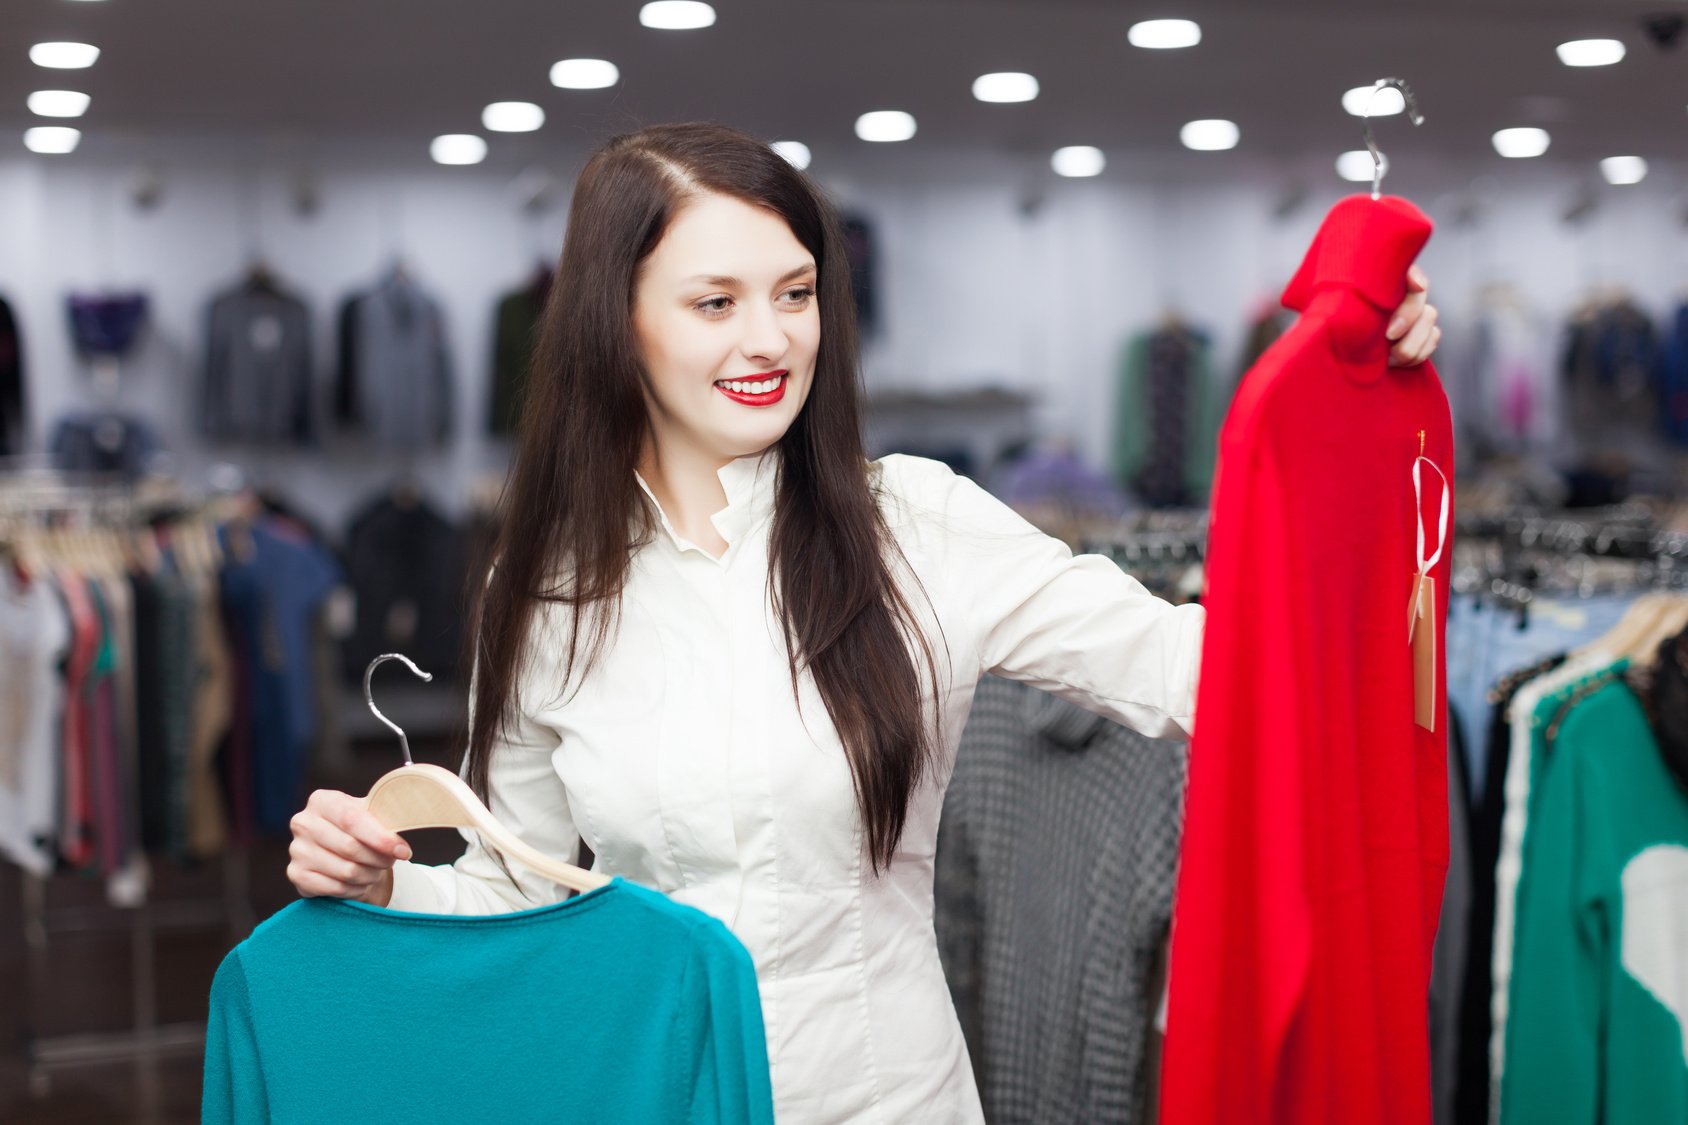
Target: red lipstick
[763, 398]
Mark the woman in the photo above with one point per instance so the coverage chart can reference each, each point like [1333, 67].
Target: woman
[733, 654]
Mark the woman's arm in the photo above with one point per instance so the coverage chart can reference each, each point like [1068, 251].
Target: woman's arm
[1078, 627]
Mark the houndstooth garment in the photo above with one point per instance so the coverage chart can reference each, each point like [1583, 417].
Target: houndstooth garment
[1056, 862]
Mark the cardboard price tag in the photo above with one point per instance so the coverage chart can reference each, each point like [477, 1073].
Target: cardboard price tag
[1421, 633]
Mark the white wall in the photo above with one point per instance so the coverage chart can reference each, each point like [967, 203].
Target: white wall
[976, 285]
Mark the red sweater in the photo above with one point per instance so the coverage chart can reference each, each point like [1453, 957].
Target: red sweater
[1316, 832]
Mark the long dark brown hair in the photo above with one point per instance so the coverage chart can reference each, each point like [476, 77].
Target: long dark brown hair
[572, 514]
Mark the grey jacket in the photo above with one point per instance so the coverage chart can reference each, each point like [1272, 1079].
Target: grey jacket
[1056, 861]
[258, 376]
[395, 380]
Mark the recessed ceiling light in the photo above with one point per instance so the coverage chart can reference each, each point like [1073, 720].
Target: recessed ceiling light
[1078, 161]
[58, 103]
[1521, 144]
[584, 74]
[51, 139]
[64, 56]
[1356, 166]
[1164, 35]
[458, 148]
[885, 125]
[1387, 103]
[1007, 86]
[1214, 135]
[512, 117]
[1591, 52]
[676, 15]
[1623, 169]
[796, 153]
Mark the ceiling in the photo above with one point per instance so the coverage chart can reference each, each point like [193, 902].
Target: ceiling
[398, 72]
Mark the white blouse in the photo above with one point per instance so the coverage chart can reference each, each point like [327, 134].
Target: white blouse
[687, 766]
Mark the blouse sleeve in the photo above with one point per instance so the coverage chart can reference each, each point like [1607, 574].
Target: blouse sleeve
[528, 797]
[1077, 627]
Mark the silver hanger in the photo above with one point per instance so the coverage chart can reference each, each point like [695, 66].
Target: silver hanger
[369, 698]
[1380, 163]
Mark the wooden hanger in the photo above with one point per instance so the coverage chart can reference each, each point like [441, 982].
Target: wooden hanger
[426, 796]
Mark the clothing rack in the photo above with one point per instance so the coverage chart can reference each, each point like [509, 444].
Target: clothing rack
[146, 1038]
[103, 502]
[1513, 558]
[1164, 549]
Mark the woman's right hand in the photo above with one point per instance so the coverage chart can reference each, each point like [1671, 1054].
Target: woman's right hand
[340, 850]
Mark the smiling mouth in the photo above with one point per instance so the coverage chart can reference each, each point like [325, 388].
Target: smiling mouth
[762, 391]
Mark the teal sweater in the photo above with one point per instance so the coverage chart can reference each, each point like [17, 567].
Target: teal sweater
[1600, 959]
[615, 1006]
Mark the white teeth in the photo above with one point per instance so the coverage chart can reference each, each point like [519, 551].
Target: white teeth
[740, 387]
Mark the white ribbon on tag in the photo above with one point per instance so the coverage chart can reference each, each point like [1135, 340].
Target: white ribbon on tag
[1426, 563]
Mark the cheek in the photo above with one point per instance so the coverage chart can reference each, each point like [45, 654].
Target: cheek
[681, 355]
[807, 339]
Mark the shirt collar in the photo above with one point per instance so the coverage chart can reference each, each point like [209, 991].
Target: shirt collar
[750, 484]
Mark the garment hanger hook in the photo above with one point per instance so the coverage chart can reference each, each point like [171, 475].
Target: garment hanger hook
[1380, 163]
[369, 698]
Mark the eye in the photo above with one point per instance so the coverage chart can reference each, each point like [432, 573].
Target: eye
[799, 296]
[714, 306]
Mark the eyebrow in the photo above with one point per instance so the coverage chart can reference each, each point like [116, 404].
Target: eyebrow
[723, 281]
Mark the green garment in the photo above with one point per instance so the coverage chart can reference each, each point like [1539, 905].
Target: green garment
[614, 1006]
[1600, 959]
[512, 355]
[1189, 439]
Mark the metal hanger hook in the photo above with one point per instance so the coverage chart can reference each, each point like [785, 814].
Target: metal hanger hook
[1380, 163]
[369, 698]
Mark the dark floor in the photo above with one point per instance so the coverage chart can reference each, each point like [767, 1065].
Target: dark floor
[87, 985]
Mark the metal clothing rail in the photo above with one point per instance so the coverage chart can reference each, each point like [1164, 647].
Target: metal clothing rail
[146, 1038]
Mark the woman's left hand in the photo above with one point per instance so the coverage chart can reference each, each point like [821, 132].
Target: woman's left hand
[1413, 327]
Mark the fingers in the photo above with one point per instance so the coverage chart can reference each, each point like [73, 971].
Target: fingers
[1417, 280]
[348, 814]
[1420, 342]
[1412, 309]
[316, 871]
[339, 850]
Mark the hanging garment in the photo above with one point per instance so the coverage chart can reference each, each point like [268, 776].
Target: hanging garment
[405, 564]
[514, 334]
[1517, 390]
[34, 635]
[1056, 477]
[395, 381]
[1535, 709]
[859, 248]
[1448, 957]
[259, 380]
[76, 833]
[1166, 418]
[687, 765]
[1316, 830]
[168, 672]
[273, 594]
[103, 442]
[211, 717]
[111, 785]
[615, 1006]
[1598, 1024]
[1056, 857]
[14, 422]
[1471, 1077]
[1610, 368]
[107, 325]
[1673, 377]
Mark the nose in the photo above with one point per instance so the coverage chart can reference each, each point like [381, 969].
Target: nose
[765, 340]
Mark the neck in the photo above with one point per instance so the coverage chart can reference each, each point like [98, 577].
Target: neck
[686, 485]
